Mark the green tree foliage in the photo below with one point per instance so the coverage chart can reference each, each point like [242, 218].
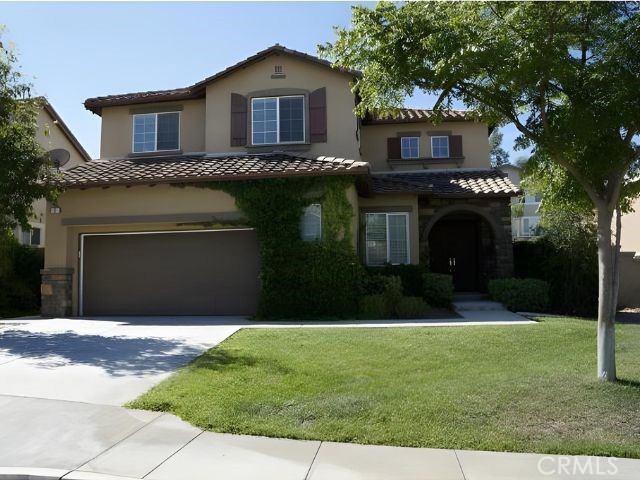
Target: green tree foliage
[19, 276]
[26, 173]
[499, 156]
[566, 74]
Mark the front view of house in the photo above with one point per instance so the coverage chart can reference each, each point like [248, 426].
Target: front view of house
[133, 234]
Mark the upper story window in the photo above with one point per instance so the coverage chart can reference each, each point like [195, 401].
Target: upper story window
[409, 147]
[277, 120]
[440, 147]
[156, 132]
[311, 223]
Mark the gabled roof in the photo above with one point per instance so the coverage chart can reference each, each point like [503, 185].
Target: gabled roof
[65, 130]
[197, 90]
[447, 183]
[203, 168]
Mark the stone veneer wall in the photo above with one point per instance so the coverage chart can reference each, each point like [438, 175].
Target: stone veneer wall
[56, 289]
[497, 211]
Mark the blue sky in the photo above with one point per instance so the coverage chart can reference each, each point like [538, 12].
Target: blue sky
[73, 51]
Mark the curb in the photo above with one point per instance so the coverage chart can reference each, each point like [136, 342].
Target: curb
[26, 473]
[78, 475]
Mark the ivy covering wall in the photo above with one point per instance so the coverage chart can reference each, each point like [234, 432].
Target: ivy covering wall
[301, 279]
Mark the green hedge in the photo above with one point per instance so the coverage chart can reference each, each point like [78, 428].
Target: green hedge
[520, 294]
[438, 289]
[384, 299]
[572, 274]
[410, 276]
[19, 277]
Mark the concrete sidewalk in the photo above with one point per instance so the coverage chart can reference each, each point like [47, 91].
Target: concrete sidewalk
[54, 439]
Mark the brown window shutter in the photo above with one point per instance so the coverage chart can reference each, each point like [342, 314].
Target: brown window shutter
[393, 148]
[455, 146]
[318, 115]
[238, 120]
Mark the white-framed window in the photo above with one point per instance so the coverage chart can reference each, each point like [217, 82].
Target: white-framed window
[311, 223]
[409, 147]
[529, 226]
[440, 147]
[387, 238]
[32, 237]
[156, 132]
[277, 120]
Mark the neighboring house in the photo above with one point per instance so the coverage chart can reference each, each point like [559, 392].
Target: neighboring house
[55, 137]
[525, 215]
[629, 294]
[125, 241]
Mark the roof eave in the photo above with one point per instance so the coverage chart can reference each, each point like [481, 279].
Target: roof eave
[66, 131]
[358, 170]
[197, 90]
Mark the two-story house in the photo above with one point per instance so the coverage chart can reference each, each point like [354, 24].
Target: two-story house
[54, 136]
[525, 208]
[122, 234]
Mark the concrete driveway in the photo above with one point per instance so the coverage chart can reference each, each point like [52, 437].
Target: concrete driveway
[101, 361]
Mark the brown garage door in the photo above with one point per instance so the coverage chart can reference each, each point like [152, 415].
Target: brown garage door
[187, 273]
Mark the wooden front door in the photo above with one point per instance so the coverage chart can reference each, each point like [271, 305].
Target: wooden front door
[453, 249]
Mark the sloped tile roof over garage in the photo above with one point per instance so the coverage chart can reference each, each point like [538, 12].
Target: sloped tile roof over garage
[201, 168]
[453, 183]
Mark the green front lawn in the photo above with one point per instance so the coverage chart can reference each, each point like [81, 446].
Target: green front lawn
[516, 388]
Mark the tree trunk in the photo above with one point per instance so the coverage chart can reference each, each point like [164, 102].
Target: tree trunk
[606, 297]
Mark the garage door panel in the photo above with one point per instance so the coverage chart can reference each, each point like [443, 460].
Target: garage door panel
[194, 273]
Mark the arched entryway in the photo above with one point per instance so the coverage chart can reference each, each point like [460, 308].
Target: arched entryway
[462, 243]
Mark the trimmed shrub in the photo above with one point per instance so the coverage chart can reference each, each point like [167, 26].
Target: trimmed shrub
[438, 289]
[410, 276]
[572, 274]
[411, 307]
[373, 307]
[389, 288]
[520, 294]
[19, 277]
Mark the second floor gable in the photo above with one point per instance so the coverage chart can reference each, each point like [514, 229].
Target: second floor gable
[282, 100]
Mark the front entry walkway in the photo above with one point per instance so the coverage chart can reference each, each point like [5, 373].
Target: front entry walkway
[53, 439]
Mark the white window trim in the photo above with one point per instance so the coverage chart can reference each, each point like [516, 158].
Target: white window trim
[278, 142]
[386, 214]
[33, 225]
[155, 114]
[418, 150]
[433, 150]
[527, 232]
[319, 205]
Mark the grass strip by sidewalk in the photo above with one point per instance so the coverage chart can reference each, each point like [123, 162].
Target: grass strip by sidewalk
[507, 388]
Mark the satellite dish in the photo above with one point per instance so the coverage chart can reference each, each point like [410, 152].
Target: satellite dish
[59, 156]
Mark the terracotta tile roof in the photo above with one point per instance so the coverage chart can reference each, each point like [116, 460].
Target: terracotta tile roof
[414, 115]
[200, 168]
[197, 90]
[454, 183]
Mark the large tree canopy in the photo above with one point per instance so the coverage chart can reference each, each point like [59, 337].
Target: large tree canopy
[25, 170]
[567, 75]
[498, 155]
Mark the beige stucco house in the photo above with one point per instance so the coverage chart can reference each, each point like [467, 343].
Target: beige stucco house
[125, 240]
[55, 137]
[525, 208]
[629, 295]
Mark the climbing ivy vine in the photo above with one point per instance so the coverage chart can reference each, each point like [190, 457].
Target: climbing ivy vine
[301, 279]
